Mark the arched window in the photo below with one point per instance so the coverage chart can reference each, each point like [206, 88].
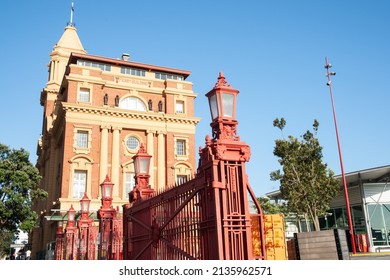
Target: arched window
[182, 172]
[132, 103]
[80, 179]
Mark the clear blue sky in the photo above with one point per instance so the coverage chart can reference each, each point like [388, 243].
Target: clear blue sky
[272, 51]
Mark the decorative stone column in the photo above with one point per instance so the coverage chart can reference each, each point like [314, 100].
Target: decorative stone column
[115, 160]
[150, 150]
[103, 153]
[161, 177]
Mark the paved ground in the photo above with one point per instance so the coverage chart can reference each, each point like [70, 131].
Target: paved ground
[371, 256]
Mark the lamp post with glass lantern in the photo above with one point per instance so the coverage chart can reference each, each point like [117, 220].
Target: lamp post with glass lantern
[84, 224]
[70, 234]
[106, 216]
[59, 250]
[222, 101]
[142, 189]
[229, 157]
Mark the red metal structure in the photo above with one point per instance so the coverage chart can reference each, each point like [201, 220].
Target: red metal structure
[81, 242]
[59, 250]
[208, 217]
[110, 228]
[70, 248]
[86, 248]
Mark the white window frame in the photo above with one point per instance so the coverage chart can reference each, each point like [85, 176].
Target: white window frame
[180, 107]
[127, 168]
[82, 139]
[127, 149]
[80, 163]
[180, 147]
[129, 182]
[79, 184]
[133, 103]
[181, 153]
[78, 130]
[182, 172]
[84, 95]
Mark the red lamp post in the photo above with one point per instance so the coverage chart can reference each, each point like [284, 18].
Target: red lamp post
[142, 188]
[222, 102]
[347, 205]
[232, 180]
[59, 250]
[70, 234]
[106, 216]
[84, 225]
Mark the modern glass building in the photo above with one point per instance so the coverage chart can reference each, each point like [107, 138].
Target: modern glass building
[369, 199]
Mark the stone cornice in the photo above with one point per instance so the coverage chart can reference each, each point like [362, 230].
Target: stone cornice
[122, 113]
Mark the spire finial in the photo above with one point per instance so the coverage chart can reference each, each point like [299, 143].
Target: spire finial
[221, 81]
[71, 23]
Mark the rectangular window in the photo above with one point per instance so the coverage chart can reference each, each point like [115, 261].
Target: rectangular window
[166, 76]
[181, 179]
[133, 71]
[180, 147]
[129, 182]
[84, 95]
[79, 183]
[179, 107]
[101, 66]
[82, 139]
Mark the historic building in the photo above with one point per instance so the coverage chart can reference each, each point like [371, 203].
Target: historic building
[97, 111]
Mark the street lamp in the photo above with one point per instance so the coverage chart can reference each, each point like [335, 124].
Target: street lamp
[106, 189]
[141, 167]
[222, 102]
[84, 225]
[106, 216]
[71, 216]
[70, 233]
[84, 203]
[59, 250]
[142, 162]
[350, 223]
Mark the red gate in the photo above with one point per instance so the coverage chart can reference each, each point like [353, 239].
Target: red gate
[207, 217]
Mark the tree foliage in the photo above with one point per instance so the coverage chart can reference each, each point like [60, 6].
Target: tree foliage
[271, 208]
[306, 183]
[19, 187]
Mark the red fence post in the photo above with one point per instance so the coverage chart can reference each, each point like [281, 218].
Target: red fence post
[59, 250]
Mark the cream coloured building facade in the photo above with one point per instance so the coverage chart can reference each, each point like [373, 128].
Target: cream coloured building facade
[96, 113]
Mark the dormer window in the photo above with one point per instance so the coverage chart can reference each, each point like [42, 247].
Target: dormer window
[167, 76]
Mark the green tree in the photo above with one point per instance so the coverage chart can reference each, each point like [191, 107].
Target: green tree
[271, 208]
[19, 187]
[6, 239]
[306, 183]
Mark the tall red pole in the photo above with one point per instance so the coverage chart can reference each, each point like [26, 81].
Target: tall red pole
[328, 74]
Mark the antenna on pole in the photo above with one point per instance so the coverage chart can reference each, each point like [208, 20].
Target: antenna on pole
[347, 206]
[71, 23]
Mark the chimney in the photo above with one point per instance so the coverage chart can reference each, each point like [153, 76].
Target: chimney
[125, 56]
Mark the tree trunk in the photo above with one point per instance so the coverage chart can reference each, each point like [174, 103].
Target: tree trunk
[299, 223]
[308, 227]
[316, 223]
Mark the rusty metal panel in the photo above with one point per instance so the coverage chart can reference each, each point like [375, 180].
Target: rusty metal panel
[275, 241]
